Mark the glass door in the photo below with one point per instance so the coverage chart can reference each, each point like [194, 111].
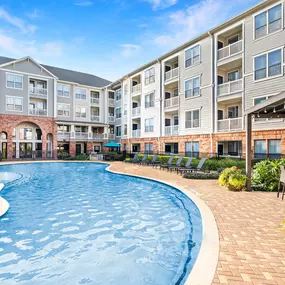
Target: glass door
[4, 150]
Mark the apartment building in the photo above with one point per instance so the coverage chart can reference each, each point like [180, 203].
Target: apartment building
[44, 109]
[193, 99]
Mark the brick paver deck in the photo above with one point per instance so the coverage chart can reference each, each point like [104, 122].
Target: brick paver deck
[252, 247]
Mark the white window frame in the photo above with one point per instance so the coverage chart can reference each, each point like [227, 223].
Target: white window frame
[115, 95]
[17, 74]
[151, 127]
[189, 79]
[63, 85]
[192, 112]
[118, 113]
[80, 94]
[119, 126]
[14, 97]
[267, 23]
[191, 47]
[151, 105]
[148, 79]
[63, 104]
[267, 65]
[80, 112]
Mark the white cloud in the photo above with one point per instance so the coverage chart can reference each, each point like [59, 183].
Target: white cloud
[83, 3]
[129, 50]
[143, 25]
[34, 14]
[51, 49]
[161, 4]
[17, 22]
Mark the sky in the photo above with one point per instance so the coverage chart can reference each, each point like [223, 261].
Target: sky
[108, 38]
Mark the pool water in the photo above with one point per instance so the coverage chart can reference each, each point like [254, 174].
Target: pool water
[76, 223]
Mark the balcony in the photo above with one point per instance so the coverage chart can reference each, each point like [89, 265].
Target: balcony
[111, 102]
[38, 92]
[230, 50]
[136, 112]
[111, 119]
[171, 130]
[228, 125]
[109, 136]
[98, 137]
[81, 135]
[171, 102]
[38, 112]
[136, 133]
[230, 87]
[137, 88]
[95, 118]
[173, 73]
[63, 136]
[94, 101]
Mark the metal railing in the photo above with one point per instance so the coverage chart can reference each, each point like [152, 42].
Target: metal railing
[95, 118]
[38, 91]
[136, 133]
[171, 130]
[171, 74]
[95, 101]
[171, 102]
[111, 101]
[61, 136]
[232, 124]
[148, 129]
[81, 135]
[109, 136]
[137, 88]
[230, 50]
[136, 111]
[230, 87]
[98, 136]
[37, 112]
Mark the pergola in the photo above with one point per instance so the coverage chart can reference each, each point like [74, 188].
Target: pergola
[274, 107]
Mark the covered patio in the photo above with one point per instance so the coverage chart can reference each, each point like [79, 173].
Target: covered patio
[274, 107]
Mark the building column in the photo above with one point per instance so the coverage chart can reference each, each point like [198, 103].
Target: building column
[72, 148]
[248, 150]
[90, 134]
[10, 146]
[72, 132]
[44, 145]
[89, 147]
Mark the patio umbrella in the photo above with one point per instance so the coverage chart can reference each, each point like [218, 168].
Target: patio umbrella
[112, 145]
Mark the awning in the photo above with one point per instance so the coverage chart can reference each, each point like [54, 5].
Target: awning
[112, 144]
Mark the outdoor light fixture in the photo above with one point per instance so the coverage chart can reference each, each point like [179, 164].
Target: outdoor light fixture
[265, 111]
[258, 116]
[274, 111]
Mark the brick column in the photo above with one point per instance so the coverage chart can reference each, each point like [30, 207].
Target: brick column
[44, 145]
[9, 146]
[72, 148]
[89, 147]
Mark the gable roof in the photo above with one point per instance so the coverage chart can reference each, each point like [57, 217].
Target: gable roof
[67, 75]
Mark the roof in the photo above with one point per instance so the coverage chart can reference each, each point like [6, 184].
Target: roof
[69, 75]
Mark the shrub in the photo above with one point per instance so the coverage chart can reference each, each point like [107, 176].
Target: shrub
[79, 157]
[266, 174]
[201, 175]
[62, 155]
[233, 178]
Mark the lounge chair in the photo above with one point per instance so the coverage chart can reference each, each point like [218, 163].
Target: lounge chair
[281, 182]
[152, 162]
[169, 163]
[192, 169]
[177, 164]
[134, 159]
[187, 165]
[143, 159]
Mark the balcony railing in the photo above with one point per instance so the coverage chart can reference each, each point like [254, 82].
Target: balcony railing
[171, 74]
[171, 130]
[95, 118]
[95, 101]
[98, 136]
[171, 102]
[136, 88]
[111, 101]
[230, 50]
[136, 133]
[109, 136]
[38, 91]
[228, 125]
[111, 119]
[136, 112]
[61, 136]
[81, 135]
[38, 112]
[230, 87]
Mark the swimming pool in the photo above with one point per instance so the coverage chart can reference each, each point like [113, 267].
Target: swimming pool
[76, 223]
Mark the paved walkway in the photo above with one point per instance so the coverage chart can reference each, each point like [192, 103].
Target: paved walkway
[252, 248]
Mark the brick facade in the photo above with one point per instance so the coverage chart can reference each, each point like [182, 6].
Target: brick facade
[47, 126]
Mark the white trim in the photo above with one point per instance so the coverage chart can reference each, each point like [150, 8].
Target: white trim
[58, 83]
[192, 46]
[77, 87]
[86, 108]
[241, 22]
[192, 78]
[67, 104]
[17, 97]
[17, 74]
[192, 110]
[233, 35]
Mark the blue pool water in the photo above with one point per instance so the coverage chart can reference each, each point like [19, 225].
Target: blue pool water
[76, 223]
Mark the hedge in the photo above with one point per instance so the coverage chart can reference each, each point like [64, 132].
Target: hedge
[201, 175]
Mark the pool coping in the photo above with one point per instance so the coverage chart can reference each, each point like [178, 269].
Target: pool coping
[209, 251]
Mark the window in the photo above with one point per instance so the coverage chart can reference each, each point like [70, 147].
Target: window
[26, 134]
[234, 75]
[118, 131]
[192, 119]
[80, 94]
[233, 39]
[234, 148]
[148, 148]
[149, 76]
[274, 149]
[14, 81]
[80, 112]
[125, 130]
[125, 147]
[259, 149]
[149, 100]
[94, 97]
[14, 103]
[118, 95]
[233, 112]
[192, 56]
[268, 64]
[192, 87]
[63, 90]
[268, 22]
[63, 110]
[192, 149]
[118, 113]
[148, 125]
